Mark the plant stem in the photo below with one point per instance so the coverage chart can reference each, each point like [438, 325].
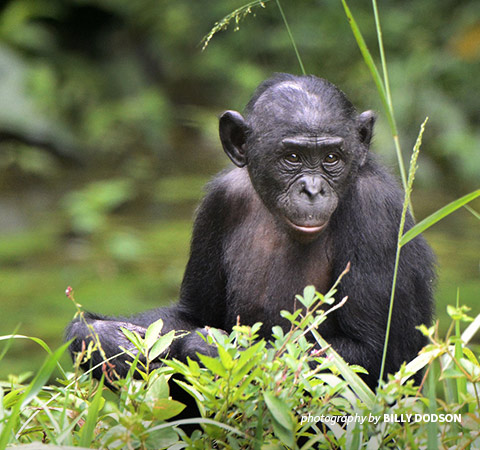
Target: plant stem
[292, 40]
[382, 55]
[382, 84]
[406, 202]
[388, 95]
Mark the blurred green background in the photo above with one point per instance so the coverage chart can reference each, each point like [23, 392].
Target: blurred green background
[108, 131]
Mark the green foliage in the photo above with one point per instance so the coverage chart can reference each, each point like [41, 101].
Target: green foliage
[281, 394]
[255, 394]
[126, 88]
[438, 215]
[88, 209]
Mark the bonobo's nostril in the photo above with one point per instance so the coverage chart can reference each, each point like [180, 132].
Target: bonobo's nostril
[311, 187]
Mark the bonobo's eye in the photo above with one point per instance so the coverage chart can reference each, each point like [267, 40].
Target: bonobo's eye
[331, 158]
[292, 158]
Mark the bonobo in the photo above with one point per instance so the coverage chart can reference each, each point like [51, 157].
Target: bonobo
[305, 198]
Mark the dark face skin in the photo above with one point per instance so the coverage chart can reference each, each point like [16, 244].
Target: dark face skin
[299, 153]
[298, 185]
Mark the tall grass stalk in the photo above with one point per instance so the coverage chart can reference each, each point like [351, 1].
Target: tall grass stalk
[290, 35]
[383, 85]
[461, 383]
[388, 94]
[406, 202]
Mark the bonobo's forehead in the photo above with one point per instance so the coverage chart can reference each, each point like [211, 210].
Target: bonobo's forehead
[315, 107]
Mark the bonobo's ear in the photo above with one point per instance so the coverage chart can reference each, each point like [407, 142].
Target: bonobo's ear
[365, 123]
[233, 130]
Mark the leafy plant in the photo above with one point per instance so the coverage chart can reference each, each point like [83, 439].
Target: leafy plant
[285, 393]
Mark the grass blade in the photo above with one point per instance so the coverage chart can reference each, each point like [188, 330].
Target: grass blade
[290, 35]
[471, 330]
[406, 202]
[472, 211]
[88, 429]
[382, 85]
[437, 216]
[432, 427]
[34, 339]
[460, 382]
[359, 386]
[31, 391]
[367, 56]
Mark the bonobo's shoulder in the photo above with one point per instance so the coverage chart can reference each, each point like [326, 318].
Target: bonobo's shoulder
[374, 173]
[232, 185]
[376, 185]
[228, 200]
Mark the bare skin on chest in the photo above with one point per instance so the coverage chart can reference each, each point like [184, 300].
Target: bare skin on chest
[255, 289]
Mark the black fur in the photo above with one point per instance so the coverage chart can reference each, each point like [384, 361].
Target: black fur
[273, 225]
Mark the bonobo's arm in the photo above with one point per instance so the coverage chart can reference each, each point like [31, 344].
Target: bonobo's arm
[369, 217]
[202, 299]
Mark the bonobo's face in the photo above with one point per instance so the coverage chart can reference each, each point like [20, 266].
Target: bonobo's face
[302, 144]
[300, 178]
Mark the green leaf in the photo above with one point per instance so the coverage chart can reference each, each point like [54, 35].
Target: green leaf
[34, 339]
[279, 410]
[471, 330]
[291, 317]
[284, 434]
[459, 314]
[420, 361]
[452, 373]
[162, 438]
[163, 342]
[472, 369]
[134, 338]
[277, 331]
[87, 434]
[213, 364]
[247, 355]
[43, 375]
[246, 383]
[273, 446]
[282, 421]
[353, 436]
[197, 395]
[225, 358]
[153, 332]
[158, 388]
[356, 383]
[166, 408]
[31, 391]
[473, 212]
[241, 373]
[309, 296]
[470, 355]
[437, 216]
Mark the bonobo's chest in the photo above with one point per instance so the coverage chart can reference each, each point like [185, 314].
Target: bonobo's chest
[265, 268]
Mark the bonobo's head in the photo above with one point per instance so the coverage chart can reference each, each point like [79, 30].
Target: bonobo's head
[302, 142]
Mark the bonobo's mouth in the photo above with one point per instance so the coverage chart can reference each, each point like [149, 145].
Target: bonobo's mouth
[308, 230]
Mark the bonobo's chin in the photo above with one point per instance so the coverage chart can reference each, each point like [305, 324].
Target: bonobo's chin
[306, 233]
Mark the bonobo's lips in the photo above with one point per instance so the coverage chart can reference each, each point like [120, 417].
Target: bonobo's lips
[310, 230]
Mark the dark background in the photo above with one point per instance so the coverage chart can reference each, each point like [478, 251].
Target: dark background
[108, 131]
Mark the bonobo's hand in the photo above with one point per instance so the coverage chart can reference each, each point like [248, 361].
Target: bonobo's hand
[107, 333]
[192, 344]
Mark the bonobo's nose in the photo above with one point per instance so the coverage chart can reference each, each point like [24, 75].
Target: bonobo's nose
[311, 187]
